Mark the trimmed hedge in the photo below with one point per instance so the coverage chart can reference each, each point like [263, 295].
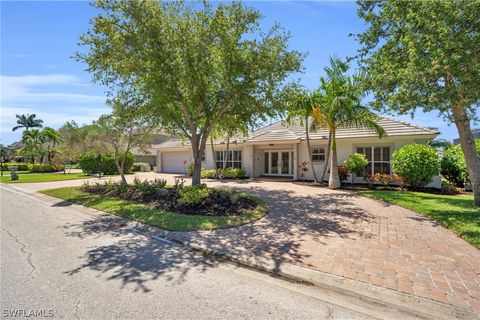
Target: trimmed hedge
[416, 163]
[141, 166]
[233, 173]
[47, 167]
[21, 166]
[92, 163]
[453, 165]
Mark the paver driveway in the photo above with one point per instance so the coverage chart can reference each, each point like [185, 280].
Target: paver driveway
[351, 236]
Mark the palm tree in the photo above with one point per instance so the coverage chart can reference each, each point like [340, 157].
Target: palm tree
[301, 109]
[337, 104]
[33, 141]
[52, 139]
[27, 121]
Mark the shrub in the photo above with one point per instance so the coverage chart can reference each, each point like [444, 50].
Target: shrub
[151, 188]
[208, 173]
[233, 173]
[46, 167]
[190, 168]
[449, 187]
[416, 163]
[91, 163]
[453, 165]
[343, 173]
[383, 178]
[194, 195]
[20, 166]
[355, 163]
[141, 166]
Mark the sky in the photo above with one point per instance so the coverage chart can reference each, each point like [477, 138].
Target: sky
[39, 76]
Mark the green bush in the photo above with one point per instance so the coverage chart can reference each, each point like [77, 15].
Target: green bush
[208, 173]
[233, 173]
[46, 167]
[355, 163]
[416, 163]
[194, 195]
[190, 168]
[141, 166]
[21, 166]
[91, 163]
[453, 165]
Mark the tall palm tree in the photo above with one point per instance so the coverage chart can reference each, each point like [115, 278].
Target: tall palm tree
[27, 121]
[52, 139]
[337, 104]
[301, 109]
[33, 141]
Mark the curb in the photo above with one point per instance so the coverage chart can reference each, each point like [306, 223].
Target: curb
[356, 291]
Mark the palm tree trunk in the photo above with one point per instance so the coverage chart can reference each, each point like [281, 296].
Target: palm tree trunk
[310, 151]
[327, 156]
[334, 179]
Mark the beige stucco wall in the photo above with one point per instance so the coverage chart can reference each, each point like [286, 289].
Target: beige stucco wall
[253, 154]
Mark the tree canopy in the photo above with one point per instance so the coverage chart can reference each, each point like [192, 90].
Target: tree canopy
[190, 64]
[425, 55]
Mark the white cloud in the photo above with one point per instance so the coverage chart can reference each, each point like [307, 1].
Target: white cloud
[31, 88]
[55, 98]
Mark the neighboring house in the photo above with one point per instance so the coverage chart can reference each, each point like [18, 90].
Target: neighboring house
[277, 149]
[150, 156]
[476, 135]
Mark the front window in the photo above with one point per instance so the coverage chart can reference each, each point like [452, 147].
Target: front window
[318, 154]
[378, 160]
[234, 159]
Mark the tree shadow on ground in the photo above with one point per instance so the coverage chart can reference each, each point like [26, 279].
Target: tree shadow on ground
[134, 260]
[291, 219]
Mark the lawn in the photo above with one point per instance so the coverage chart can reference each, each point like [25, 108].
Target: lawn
[25, 176]
[456, 213]
[158, 218]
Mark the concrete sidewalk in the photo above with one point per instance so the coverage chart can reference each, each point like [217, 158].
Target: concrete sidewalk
[346, 236]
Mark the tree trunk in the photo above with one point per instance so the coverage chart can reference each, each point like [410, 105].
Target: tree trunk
[310, 151]
[225, 158]
[334, 179]
[214, 158]
[121, 170]
[327, 157]
[197, 159]
[467, 143]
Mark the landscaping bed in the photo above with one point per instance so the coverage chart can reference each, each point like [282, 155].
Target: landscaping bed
[455, 212]
[175, 208]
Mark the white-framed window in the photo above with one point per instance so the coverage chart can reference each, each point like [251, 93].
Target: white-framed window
[318, 154]
[378, 159]
[234, 159]
[203, 157]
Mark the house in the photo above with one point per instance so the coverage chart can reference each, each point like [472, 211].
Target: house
[277, 149]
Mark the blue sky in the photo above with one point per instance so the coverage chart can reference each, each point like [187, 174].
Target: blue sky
[39, 76]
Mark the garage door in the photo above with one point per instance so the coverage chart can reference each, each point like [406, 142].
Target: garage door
[173, 162]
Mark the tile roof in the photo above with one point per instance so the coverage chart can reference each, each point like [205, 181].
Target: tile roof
[280, 131]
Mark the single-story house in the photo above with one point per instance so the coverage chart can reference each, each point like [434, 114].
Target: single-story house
[278, 149]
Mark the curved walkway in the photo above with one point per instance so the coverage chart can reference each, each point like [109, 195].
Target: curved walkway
[350, 236]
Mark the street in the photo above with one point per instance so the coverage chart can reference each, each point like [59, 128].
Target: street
[57, 261]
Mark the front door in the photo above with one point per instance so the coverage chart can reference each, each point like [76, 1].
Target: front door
[278, 163]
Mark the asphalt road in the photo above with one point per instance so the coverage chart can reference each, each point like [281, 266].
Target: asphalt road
[61, 262]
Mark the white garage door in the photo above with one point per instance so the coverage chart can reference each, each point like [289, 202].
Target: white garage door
[173, 162]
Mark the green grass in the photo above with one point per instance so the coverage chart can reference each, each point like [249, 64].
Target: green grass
[158, 218]
[27, 177]
[456, 213]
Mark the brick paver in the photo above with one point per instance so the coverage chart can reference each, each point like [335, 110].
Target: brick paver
[350, 236]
